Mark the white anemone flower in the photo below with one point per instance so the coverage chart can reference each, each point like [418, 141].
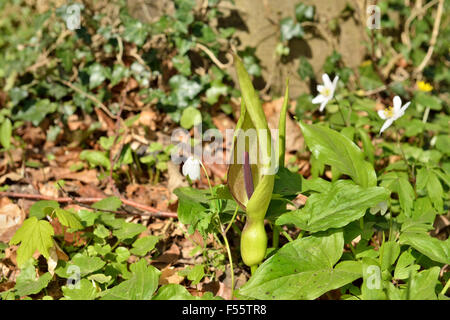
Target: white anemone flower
[391, 114]
[191, 168]
[326, 91]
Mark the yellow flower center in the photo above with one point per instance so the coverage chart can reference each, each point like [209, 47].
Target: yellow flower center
[325, 92]
[389, 112]
[424, 86]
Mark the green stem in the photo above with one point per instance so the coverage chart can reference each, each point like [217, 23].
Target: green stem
[444, 290]
[287, 235]
[253, 269]
[230, 258]
[276, 236]
[410, 173]
[232, 219]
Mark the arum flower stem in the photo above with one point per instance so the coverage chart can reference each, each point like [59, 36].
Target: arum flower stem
[230, 258]
[253, 269]
[232, 219]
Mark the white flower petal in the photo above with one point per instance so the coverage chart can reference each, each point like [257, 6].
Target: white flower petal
[397, 104]
[319, 99]
[386, 124]
[326, 80]
[320, 88]
[322, 106]
[405, 106]
[335, 81]
[381, 114]
[191, 168]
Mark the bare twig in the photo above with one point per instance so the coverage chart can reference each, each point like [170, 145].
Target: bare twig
[147, 210]
[213, 57]
[406, 38]
[89, 96]
[434, 35]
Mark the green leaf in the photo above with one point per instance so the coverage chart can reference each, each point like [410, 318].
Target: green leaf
[128, 230]
[110, 203]
[304, 12]
[27, 283]
[398, 182]
[100, 278]
[191, 204]
[426, 100]
[372, 286]
[305, 69]
[144, 245]
[101, 231]
[97, 74]
[122, 254]
[433, 248]
[422, 285]
[85, 291]
[173, 292]
[190, 117]
[33, 235]
[303, 269]
[43, 208]
[333, 148]
[5, 134]
[68, 219]
[85, 264]
[342, 204]
[405, 265]
[140, 286]
[37, 112]
[95, 158]
[216, 90]
[135, 31]
[389, 252]
[195, 273]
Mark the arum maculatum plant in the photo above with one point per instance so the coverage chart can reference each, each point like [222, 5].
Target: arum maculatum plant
[252, 169]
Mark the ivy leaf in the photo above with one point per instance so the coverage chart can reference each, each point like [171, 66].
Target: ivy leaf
[304, 12]
[305, 69]
[135, 31]
[68, 219]
[335, 149]
[33, 235]
[290, 29]
[303, 269]
[141, 286]
[342, 204]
